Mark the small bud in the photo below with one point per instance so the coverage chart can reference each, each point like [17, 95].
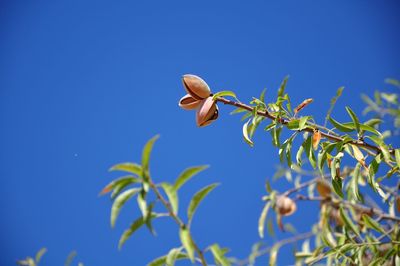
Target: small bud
[302, 105]
[207, 112]
[187, 102]
[285, 206]
[196, 87]
[316, 138]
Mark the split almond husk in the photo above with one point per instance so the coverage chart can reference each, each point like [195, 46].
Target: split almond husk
[207, 112]
[323, 188]
[187, 102]
[285, 206]
[196, 86]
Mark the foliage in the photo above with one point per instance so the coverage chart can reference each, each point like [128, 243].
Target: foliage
[342, 167]
[29, 261]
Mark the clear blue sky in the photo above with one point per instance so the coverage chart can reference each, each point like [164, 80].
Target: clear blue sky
[84, 84]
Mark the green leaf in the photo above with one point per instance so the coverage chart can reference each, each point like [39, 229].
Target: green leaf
[197, 198]
[172, 196]
[303, 122]
[371, 223]
[139, 222]
[70, 258]
[121, 186]
[362, 127]
[224, 94]
[219, 255]
[299, 154]
[119, 202]
[326, 150]
[132, 168]
[340, 126]
[172, 256]
[262, 96]
[282, 87]
[245, 131]
[142, 203]
[354, 183]
[397, 156]
[261, 220]
[293, 124]
[275, 133]
[348, 222]
[310, 151]
[238, 111]
[333, 102]
[187, 243]
[188, 174]
[354, 118]
[129, 179]
[161, 261]
[273, 254]
[146, 155]
[40, 254]
[337, 186]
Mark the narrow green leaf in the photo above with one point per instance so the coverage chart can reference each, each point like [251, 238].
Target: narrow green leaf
[238, 111]
[299, 154]
[310, 151]
[172, 196]
[139, 222]
[142, 203]
[224, 94]
[282, 87]
[261, 220]
[132, 168]
[197, 198]
[161, 261]
[354, 118]
[337, 186]
[262, 96]
[354, 183]
[245, 132]
[397, 155]
[146, 154]
[273, 254]
[119, 202]
[348, 222]
[129, 179]
[362, 127]
[340, 126]
[118, 188]
[70, 258]
[333, 102]
[40, 254]
[293, 124]
[187, 243]
[188, 174]
[219, 255]
[172, 256]
[371, 223]
[303, 122]
[275, 133]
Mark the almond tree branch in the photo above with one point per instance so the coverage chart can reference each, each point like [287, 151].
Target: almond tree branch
[358, 207]
[282, 121]
[178, 220]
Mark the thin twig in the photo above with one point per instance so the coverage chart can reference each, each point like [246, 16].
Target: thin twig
[358, 207]
[178, 220]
